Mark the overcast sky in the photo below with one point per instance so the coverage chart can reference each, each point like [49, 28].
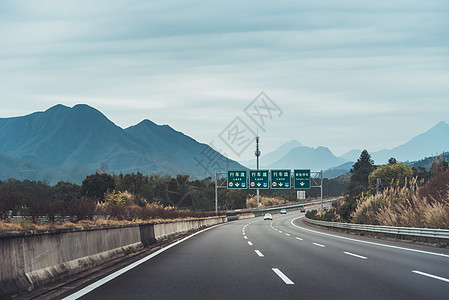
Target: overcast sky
[341, 74]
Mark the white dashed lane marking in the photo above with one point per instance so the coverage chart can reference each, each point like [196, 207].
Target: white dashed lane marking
[282, 276]
[355, 255]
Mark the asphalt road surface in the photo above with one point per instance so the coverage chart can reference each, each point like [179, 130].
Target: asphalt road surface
[279, 259]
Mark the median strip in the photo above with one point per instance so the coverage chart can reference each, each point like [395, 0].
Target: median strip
[431, 276]
[282, 276]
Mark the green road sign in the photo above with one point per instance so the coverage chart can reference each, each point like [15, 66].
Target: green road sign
[280, 179]
[302, 179]
[258, 179]
[237, 179]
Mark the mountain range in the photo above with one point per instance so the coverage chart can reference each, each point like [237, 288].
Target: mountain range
[293, 154]
[68, 143]
[64, 143]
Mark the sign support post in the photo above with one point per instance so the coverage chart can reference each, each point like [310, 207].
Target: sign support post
[222, 185]
[317, 181]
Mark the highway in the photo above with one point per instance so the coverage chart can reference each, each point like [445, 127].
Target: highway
[279, 259]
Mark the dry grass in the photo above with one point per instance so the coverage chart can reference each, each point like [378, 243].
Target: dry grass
[369, 206]
[28, 225]
[264, 201]
[408, 206]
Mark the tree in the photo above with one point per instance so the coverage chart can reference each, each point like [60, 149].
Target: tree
[10, 200]
[358, 184]
[392, 161]
[359, 174]
[422, 174]
[390, 174]
[439, 165]
[96, 185]
[65, 191]
[38, 202]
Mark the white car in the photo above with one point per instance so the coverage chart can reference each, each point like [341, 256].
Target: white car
[283, 211]
[268, 217]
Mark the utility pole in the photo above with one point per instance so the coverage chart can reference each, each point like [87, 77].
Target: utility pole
[257, 153]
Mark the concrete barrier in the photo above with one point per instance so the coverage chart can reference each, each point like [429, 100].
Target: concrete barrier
[246, 216]
[33, 258]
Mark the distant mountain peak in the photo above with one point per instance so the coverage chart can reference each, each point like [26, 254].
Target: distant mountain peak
[433, 141]
[78, 108]
[83, 107]
[293, 143]
[440, 126]
[442, 123]
[147, 123]
[150, 124]
[57, 107]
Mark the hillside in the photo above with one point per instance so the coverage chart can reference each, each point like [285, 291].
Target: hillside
[316, 159]
[81, 140]
[432, 142]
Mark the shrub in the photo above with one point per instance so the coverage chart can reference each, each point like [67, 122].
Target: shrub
[251, 201]
[81, 208]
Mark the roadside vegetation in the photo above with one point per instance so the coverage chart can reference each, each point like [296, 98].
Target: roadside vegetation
[404, 196]
[251, 202]
[105, 199]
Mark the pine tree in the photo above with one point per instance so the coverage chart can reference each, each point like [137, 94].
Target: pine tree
[358, 184]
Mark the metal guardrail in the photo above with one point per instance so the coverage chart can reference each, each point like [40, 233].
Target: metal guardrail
[422, 232]
[278, 208]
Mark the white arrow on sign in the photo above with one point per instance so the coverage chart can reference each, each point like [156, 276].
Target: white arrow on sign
[281, 184]
[259, 184]
[302, 183]
[237, 184]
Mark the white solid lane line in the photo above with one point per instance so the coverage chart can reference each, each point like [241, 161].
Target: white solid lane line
[355, 255]
[108, 278]
[367, 242]
[249, 243]
[258, 253]
[431, 276]
[319, 245]
[282, 276]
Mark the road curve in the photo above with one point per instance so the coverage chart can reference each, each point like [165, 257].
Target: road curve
[280, 259]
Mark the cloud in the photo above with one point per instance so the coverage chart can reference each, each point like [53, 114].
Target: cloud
[194, 63]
